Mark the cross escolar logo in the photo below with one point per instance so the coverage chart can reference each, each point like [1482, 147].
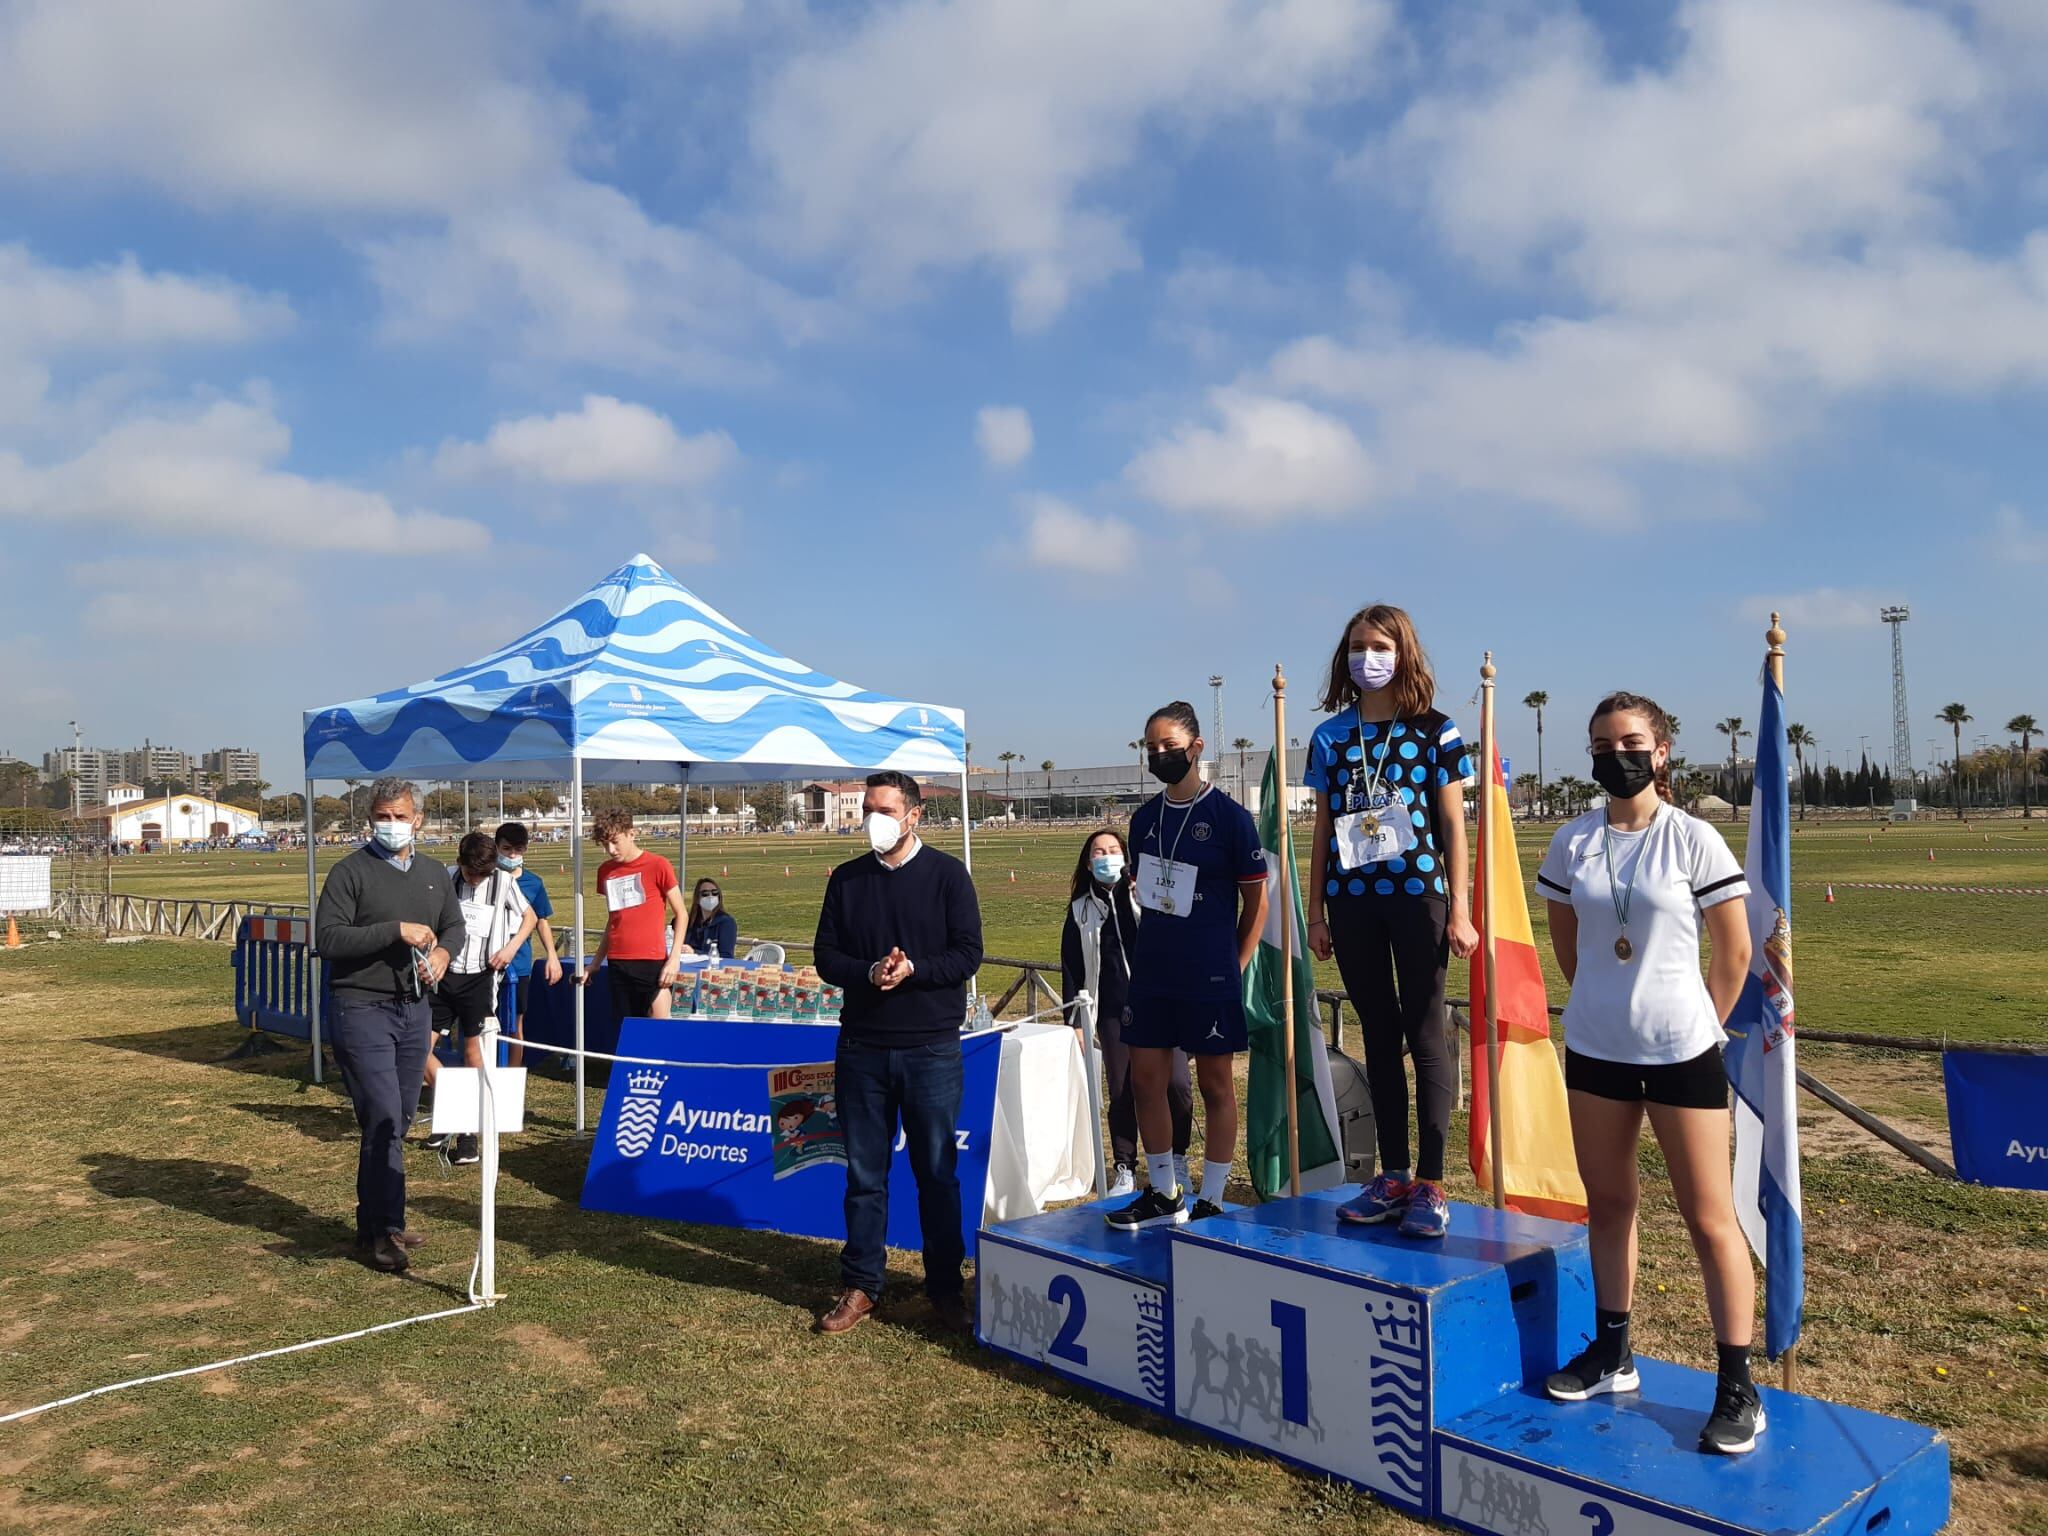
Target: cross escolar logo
[640, 1113]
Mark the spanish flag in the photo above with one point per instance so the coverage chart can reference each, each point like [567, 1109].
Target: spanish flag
[1541, 1175]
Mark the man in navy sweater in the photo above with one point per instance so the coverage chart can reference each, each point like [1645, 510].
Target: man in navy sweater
[900, 933]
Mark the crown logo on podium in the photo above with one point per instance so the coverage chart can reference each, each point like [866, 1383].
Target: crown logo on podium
[645, 1082]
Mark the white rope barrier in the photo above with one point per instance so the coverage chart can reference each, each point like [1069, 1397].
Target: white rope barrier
[222, 1365]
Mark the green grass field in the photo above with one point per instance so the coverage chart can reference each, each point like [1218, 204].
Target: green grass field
[165, 1207]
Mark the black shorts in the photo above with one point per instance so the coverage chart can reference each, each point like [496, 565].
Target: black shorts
[635, 985]
[1701, 1083]
[1201, 1027]
[518, 1005]
[462, 1003]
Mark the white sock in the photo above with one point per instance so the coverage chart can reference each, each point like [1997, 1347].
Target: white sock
[1214, 1177]
[1160, 1166]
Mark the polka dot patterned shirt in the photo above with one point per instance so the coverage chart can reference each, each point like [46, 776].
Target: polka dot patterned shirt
[1352, 762]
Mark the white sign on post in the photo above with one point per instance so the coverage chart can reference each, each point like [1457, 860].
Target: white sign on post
[24, 882]
[457, 1108]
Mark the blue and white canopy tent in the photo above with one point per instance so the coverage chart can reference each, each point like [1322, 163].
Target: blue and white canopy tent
[637, 681]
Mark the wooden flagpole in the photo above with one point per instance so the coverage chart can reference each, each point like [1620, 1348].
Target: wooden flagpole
[1286, 853]
[1774, 658]
[1487, 876]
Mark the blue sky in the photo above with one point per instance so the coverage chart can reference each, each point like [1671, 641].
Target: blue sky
[1037, 358]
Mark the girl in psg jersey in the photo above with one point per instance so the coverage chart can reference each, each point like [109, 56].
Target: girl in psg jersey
[1201, 879]
[1387, 894]
[1630, 885]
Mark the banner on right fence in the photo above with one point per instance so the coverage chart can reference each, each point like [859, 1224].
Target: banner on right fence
[1995, 1123]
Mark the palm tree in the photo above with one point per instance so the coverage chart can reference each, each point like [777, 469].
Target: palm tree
[1672, 721]
[2026, 727]
[1007, 758]
[1732, 729]
[1046, 767]
[1955, 717]
[1799, 738]
[1536, 701]
[1529, 784]
[1243, 745]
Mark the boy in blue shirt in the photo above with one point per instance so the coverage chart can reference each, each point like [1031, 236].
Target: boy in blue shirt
[512, 839]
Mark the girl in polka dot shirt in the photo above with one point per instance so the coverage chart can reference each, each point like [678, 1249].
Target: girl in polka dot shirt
[1388, 893]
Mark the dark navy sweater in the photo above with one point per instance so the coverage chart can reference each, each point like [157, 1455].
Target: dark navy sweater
[927, 909]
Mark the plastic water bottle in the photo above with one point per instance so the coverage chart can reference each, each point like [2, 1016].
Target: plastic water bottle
[983, 1019]
[714, 951]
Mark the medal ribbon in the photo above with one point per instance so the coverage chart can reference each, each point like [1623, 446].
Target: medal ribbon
[1622, 895]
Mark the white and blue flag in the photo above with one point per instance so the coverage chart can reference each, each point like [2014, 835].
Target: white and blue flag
[1762, 1057]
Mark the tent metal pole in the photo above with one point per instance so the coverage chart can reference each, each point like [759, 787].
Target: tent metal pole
[683, 828]
[466, 822]
[576, 874]
[312, 939]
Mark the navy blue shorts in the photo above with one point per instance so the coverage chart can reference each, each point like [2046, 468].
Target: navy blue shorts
[1199, 1026]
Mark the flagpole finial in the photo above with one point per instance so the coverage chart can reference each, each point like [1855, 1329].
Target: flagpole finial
[1486, 668]
[1279, 679]
[1775, 657]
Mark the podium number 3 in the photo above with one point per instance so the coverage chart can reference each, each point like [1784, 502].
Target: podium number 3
[1603, 1521]
[1292, 1322]
[1066, 1290]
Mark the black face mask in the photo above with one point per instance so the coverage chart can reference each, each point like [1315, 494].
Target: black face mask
[1624, 775]
[1168, 767]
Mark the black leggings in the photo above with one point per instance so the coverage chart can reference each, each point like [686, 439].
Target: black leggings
[1123, 1094]
[1392, 955]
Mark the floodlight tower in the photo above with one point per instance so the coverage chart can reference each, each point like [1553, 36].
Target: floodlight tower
[1902, 722]
[1216, 721]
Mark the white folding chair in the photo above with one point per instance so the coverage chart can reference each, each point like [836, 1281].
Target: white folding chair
[767, 954]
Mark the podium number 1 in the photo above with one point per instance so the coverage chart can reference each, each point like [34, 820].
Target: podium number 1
[1066, 1290]
[1292, 1321]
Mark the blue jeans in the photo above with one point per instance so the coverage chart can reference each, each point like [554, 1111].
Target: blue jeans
[875, 1087]
[381, 1046]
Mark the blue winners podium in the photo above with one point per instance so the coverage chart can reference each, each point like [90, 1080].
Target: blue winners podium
[1413, 1369]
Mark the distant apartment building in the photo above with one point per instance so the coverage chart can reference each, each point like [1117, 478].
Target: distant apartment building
[93, 769]
[150, 764]
[232, 765]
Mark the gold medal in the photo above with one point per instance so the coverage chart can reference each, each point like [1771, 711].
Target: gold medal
[1166, 904]
[1372, 825]
[1623, 950]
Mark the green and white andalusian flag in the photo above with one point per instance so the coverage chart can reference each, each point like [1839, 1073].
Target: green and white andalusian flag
[1322, 1160]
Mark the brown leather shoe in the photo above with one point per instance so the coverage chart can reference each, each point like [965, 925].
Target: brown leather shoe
[409, 1240]
[384, 1254]
[852, 1308]
[953, 1313]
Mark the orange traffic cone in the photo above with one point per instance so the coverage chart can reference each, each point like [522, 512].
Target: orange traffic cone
[725, 869]
[1013, 877]
[785, 871]
[13, 933]
[1831, 896]
[1930, 855]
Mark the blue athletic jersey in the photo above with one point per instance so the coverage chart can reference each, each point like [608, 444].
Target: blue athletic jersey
[1351, 761]
[536, 896]
[1195, 956]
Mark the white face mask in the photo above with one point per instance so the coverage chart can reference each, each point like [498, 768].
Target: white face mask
[394, 835]
[1372, 670]
[512, 862]
[884, 831]
[707, 903]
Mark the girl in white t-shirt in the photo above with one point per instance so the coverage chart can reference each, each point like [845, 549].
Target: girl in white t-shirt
[1630, 886]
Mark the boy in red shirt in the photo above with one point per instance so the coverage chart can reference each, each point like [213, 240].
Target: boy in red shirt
[641, 896]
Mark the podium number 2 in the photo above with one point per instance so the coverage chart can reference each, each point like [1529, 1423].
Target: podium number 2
[1603, 1521]
[1292, 1322]
[1065, 1289]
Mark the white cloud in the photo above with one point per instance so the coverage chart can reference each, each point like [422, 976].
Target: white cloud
[1821, 608]
[1268, 459]
[381, 106]
[1727, 247]
[214, 472]
[1058, 536]
[679, 23]
[2015, 541]
[605, 442]
[48, 313]
[935, 136]
[1004, 433]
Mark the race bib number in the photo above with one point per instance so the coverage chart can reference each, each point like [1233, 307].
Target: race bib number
[623, 892]
[1165, 885]
[1374, 836]
[476, 933]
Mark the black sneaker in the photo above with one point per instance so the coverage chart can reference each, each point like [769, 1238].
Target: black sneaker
[1151, 1209]
[1591, 1373]
[1202, 1210]
[436, 1142]
[1737, 1420]
[464, 1151]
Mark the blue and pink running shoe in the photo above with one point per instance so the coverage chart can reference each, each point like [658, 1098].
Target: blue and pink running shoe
[1382, 1200]
[1428, 1213]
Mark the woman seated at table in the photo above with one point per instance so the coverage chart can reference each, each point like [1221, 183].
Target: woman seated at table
[712, 930]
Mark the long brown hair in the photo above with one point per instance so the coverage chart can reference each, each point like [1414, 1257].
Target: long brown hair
[1660, 730]
[1414, 685]
[1084, 877]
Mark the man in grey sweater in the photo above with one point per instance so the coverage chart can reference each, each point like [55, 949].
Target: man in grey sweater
[384, 928]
